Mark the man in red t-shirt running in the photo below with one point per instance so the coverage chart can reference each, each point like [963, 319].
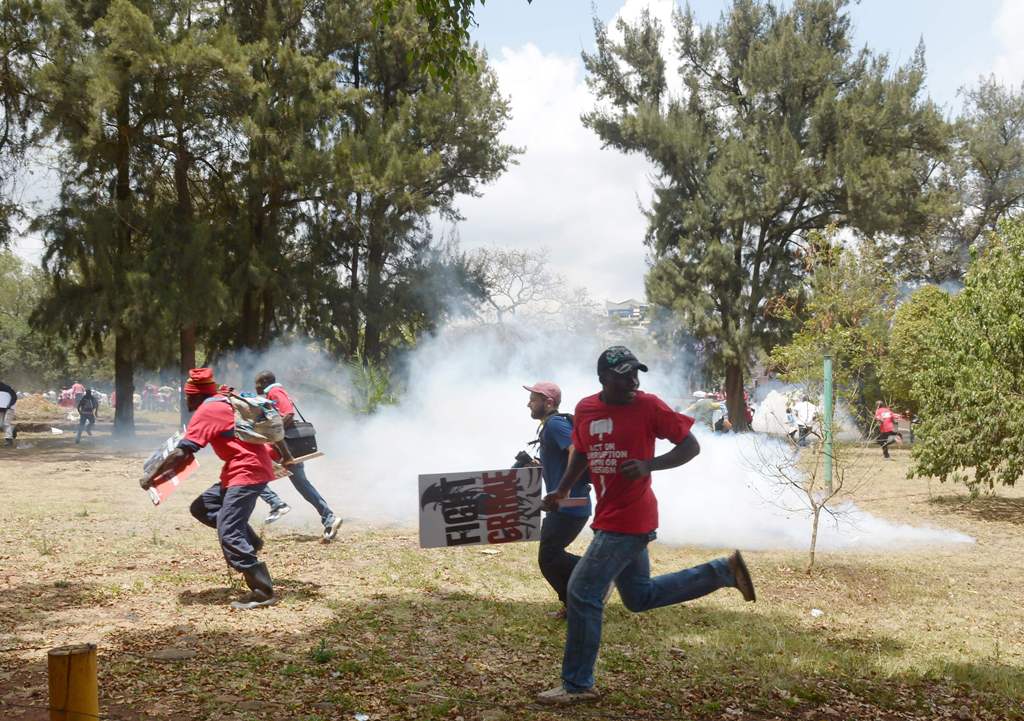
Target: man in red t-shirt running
[614, 434]
[227, 505]
[887, 433]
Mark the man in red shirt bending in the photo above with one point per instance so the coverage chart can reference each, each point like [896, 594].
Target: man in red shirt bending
[227, 505]
[614, 433]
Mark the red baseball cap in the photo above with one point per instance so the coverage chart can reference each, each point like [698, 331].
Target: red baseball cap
[200, 382]
[547, 389]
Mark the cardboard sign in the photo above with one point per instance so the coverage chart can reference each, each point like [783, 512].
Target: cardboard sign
[168, 481]
[480, 507]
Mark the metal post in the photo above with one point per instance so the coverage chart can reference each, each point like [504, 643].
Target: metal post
[72, 678]
[826, 424]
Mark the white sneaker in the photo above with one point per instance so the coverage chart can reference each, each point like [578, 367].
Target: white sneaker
[332, 530]
[276, 513]
[558, 696]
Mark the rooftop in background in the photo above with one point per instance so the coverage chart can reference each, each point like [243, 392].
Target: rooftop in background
[630, 309]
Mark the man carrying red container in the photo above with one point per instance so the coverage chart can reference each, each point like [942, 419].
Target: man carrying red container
[227, 505]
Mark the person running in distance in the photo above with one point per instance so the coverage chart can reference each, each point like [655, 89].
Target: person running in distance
[887, 433]
[87, 406]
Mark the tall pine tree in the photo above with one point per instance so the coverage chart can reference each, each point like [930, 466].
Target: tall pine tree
[780, 128]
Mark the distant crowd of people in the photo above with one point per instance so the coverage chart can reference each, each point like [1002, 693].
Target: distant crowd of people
[711, 410]
[152, 397]
[86, 401]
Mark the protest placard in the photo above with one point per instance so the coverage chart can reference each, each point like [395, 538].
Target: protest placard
[480, 507]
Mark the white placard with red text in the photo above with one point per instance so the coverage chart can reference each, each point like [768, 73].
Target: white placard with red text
[480, 507]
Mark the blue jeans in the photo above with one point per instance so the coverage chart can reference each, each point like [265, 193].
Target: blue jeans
[556, 564]
[228, 510]
[623, 558]
[306, 490]
[85, 422]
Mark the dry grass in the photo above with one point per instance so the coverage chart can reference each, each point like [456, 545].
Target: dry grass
[372, 624]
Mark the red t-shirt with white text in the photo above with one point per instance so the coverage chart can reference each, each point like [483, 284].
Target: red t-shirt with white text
[245, 464]
[886, 420]
[613, 434]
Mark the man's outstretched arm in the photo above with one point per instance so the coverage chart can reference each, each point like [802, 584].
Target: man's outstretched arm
[681, 453]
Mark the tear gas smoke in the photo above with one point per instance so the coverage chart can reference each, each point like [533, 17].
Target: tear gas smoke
[464, 408]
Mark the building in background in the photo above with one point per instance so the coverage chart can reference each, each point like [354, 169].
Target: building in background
[631, 311]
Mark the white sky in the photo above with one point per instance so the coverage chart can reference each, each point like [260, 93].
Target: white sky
[583, 203]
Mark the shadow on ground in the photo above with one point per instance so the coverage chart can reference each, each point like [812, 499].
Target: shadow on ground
[286, 588]
[441, 655]
[983, 508]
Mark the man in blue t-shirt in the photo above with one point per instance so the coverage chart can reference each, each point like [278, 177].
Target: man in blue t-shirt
[560, 527]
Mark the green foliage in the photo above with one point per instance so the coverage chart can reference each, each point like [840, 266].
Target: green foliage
[372, 385]
[233, 174]
[850, 301]
[970, 392]
[321, 653]
[782, 129]
[23, 29]
[31, 360]
[912, 344]
[980, 184]
[448, 51]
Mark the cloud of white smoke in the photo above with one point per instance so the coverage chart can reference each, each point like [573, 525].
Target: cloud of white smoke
[464, 408]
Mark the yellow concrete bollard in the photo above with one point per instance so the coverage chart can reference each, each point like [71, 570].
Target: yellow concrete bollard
[74, 695]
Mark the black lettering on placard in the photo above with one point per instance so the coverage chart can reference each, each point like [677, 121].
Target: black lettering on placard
[502, 508]
[459, 510]
[461, 535]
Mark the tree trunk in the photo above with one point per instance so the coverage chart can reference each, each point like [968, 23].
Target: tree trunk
[354, 313]
[375, 256]
[249, 321]
[267, 322]
[734, 397]
[124, 349]
[357, 234]
[124, 384]
[184, 221]
[188, 361]
[814, 535]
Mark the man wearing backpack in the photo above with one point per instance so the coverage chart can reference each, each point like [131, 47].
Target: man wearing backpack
[87, 406]
[614, 432]
[227, 505]
[267, 385]
[562, 525]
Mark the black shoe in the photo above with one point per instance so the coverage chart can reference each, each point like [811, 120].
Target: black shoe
[258, 579]
[742, 576]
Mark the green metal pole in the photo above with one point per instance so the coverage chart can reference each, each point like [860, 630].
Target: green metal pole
[827, 422]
